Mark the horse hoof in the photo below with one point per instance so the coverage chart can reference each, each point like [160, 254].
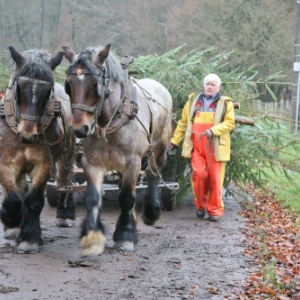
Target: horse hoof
[124, 246]
[26, 247]
[93, 244]
[148, 221]
[92, 251]
[11, 233]
[65, 223]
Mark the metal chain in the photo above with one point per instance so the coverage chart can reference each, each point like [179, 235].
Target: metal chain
[145, 92]
[103, 134]
[69, 165]
[49, 154]
[150, 156]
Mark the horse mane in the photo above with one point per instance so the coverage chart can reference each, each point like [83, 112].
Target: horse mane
[37, 65]
[85, 58]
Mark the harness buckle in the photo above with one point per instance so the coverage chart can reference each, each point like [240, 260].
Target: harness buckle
[2, 110]
[54, 107]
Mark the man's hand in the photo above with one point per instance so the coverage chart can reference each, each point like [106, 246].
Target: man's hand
[172, 149]
[209, 134]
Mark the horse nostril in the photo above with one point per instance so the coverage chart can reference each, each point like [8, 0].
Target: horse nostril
[27, 140]
[19, 135]
[81, 132]
[34, 137]
[84, 129]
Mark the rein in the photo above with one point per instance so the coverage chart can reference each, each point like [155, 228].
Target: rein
[150, 157]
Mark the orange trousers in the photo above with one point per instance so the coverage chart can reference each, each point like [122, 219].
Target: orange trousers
[207, 174]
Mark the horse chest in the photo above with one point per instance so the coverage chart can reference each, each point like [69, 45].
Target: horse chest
[29, 158]
[33, 155]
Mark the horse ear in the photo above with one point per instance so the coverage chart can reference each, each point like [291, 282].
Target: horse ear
[18, 58]
[102, 55]
[69, 54]
[56, 60]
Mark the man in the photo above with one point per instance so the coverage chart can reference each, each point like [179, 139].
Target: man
[206, 122]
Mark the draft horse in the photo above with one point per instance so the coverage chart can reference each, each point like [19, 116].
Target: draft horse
[120, 124]
[36, 142]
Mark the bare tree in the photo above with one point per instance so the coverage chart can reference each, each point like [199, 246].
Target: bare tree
[260, 32]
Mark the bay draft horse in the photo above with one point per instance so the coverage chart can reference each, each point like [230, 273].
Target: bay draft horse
[117, 133]
[36, 141]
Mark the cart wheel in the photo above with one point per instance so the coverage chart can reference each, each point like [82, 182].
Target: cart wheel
[167, 196]
[167, 199]
[52, 196]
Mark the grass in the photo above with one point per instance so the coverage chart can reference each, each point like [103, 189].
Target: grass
[270, 277]
[285, 191]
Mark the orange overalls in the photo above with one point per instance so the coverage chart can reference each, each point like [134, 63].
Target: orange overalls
[208, 174]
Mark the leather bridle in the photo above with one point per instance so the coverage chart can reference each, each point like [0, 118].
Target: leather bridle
[102, 89]
[35, 83]
[125, 110]
[10, 110]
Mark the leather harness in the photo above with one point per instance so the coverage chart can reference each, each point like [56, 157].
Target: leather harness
[127, 108]
[9, 109]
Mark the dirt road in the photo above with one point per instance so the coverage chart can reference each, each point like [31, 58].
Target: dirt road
[181, 257]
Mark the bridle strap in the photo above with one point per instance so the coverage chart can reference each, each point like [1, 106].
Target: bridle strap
[101, 88]
[102, 82]
[29, 118]
[11, 105]
[84, 71]
[35, 83]
[84, 107]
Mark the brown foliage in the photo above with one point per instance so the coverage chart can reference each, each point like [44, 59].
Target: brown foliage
[273, 238]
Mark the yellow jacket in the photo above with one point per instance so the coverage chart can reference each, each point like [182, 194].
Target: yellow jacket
[224, 123]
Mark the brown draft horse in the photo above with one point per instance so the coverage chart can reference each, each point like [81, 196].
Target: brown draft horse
[35, 140]
[120, 124]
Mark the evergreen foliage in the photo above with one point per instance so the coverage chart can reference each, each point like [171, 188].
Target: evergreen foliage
[255, 149]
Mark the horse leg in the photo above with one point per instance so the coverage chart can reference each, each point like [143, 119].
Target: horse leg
[125, 235]
[65, 213]
[12, 205]
[92, 232]
[151, 208]
[30, 237]
[11, 215]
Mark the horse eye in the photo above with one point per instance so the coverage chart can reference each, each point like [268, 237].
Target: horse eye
[95, 85]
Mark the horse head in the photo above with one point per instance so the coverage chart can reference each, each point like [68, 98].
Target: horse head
[33, 87]
[87, 85]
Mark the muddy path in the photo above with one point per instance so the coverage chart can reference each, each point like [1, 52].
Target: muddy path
[181, 257]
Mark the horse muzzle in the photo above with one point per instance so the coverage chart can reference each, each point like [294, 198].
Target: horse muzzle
[82, 127]
[81, 132]
[27, 133]
[27, 139]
